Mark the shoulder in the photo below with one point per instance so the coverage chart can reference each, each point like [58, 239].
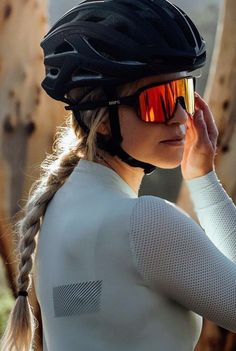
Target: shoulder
[158, 232]
[154, 218]
[150, 207]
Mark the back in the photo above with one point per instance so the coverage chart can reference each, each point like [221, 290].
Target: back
[92, 296]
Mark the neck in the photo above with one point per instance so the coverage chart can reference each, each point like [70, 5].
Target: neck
[131, 175]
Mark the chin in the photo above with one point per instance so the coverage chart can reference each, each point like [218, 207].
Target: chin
[168, 164]
[166, 161]
[168, 158]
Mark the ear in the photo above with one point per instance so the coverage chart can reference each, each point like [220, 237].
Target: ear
[104, 128]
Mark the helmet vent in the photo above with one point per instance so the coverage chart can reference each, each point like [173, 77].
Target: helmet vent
[65, 19]
[106, 50]
[166, 33]
[95, 16]
[64, 47]
[94, 19]
[122, 29]
[186, 30]
[81, 72]
[184, 25]
[196, 33]
[54, 71]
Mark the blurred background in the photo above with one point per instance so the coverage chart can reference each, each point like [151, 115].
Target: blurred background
[29, 118]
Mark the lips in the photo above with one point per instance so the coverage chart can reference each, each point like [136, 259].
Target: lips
[175, 138]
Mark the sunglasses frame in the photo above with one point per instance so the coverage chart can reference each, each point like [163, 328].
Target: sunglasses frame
[133, 100]
[130, 100]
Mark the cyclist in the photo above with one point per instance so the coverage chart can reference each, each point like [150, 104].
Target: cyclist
[115, 271]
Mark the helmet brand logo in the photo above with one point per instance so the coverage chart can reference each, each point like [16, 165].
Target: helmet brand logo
[114, 102]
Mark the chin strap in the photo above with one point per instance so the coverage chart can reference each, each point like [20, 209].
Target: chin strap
[112, 144]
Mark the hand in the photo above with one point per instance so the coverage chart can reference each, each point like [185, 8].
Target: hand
[200, 143]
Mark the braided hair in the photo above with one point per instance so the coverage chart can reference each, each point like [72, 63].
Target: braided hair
[71, 143]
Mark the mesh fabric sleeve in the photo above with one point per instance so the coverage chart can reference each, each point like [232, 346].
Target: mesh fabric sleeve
[175, 256]
[216, 212]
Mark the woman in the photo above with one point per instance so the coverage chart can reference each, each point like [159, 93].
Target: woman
[114, 271]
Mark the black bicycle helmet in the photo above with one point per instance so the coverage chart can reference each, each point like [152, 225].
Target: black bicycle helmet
[109, 42]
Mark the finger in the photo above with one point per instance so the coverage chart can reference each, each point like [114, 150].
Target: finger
[192, 134]
[208, 116]
[191, 130]
[201, 129]
[209, 120]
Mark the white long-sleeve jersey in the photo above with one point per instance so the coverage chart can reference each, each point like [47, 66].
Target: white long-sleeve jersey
[117, 272]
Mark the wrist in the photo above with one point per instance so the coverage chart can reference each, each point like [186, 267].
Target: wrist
[199, 173]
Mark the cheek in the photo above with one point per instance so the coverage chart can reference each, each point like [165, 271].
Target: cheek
[135, 131]
[130, 125]
[142, 140]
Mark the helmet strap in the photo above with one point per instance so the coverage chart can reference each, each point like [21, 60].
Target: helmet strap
[80, 121]
[113, 144]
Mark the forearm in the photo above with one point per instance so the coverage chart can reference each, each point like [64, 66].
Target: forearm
[216, 212]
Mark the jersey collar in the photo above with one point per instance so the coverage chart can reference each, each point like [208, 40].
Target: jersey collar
[107, 174]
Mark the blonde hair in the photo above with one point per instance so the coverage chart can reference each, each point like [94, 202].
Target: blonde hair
[71, 143]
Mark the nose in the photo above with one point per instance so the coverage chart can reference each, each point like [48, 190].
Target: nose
[180, 116]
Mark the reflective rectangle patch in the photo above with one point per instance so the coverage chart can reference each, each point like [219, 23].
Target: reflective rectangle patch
[79, 298]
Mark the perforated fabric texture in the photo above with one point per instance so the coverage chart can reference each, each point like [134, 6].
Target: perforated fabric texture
[174, 254]
[117, 272]
[216, 212]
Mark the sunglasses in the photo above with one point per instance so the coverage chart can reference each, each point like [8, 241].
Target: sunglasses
[153, 103]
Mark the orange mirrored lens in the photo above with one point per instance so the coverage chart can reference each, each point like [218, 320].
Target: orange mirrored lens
[157, 104]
